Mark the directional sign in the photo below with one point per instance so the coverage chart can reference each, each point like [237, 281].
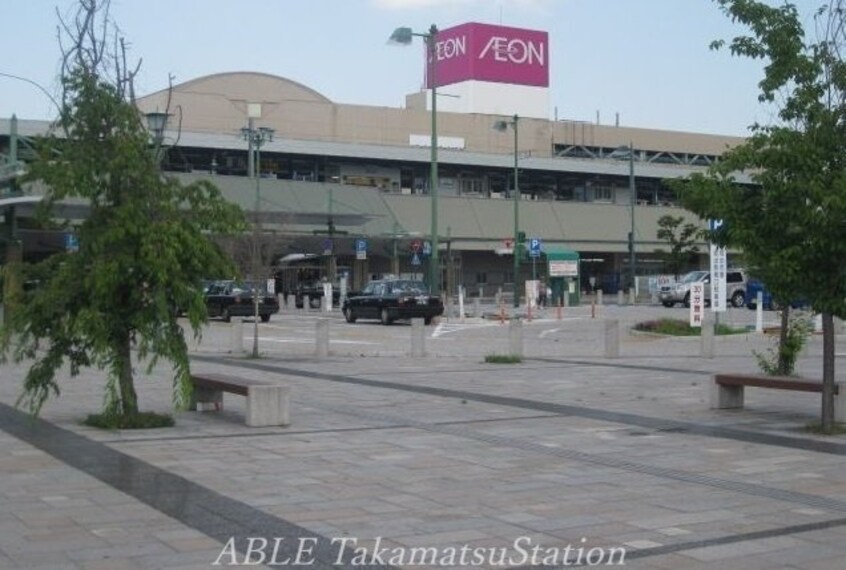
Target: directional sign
[427, 248]
[534, 247]
[718, 271]
[415, 259]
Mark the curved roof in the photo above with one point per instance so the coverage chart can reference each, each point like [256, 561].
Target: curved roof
[252, 83]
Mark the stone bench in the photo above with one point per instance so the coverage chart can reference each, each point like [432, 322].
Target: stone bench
[267, 403]
[727, 390]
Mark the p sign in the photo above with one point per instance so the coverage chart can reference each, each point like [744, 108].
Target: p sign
[534, 247]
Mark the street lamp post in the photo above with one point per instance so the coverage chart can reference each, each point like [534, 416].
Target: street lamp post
[627, 152]
[503, 126]
[404, 36]
[256, 137]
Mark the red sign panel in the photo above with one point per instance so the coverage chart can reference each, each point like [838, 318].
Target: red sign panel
[483, 52]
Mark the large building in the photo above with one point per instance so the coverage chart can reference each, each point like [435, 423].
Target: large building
[334, 173]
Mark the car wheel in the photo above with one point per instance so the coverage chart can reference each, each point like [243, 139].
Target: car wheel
[738, 299]
[224, 314]
[774, 306]
[314, 302]
[349, 316]
[427, 320]
[687, 300]
[298, 302]
[668, 304]
[265, 318]
[385, 318]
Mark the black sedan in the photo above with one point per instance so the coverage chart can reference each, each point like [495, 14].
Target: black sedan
[391, 299]
[227, 299]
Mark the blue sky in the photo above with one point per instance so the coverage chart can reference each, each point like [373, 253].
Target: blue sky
[647, 60]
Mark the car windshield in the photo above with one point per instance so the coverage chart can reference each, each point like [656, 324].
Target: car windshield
[693, 277]
[408, 287]
[246, 287]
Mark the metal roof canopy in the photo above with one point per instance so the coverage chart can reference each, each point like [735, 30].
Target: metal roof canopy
[561, 254]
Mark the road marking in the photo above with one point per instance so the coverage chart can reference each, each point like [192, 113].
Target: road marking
[309, 341]
[447, 328]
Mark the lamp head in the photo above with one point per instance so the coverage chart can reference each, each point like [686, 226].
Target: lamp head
[401, 36]
[156, 122]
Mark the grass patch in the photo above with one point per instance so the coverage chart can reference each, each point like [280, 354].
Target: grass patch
[141, 420]
[503, 359]
[816, 427]
[678, 327]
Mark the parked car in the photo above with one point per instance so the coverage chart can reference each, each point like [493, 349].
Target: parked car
[391, 299]
[227, 299]
[679, 292]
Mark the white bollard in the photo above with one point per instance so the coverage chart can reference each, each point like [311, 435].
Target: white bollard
[759, 312]
[515, 338]
[418, 338]
[632, 296]
[599, 296]
[477, 307]
[321, 349]
[566, 298]
[236, 336]
[620, 297]
[612, 339]
[461, 304]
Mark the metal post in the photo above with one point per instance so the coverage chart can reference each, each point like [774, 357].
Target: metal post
[516, 221]
[434, 267]
[256, 232]
[632, 193]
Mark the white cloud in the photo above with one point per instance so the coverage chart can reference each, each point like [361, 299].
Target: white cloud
[417, 4]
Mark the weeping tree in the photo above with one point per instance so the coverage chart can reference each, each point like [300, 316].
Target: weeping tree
[791, 221]
[143, 248]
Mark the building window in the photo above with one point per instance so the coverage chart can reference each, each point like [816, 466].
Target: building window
[603, 193]
[481, 277]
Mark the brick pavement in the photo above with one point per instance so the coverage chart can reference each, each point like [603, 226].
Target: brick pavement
[438, 452]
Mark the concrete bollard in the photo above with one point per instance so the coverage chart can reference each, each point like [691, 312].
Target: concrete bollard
[566, 300]
[461, 304]
[612, 339]
[236, 336]
[515, 337]
[632, 296]
[321, 349]
[620, 297]
[477, 307]
[418, 338]
[759, 312]
[707, 338]
[599, 297]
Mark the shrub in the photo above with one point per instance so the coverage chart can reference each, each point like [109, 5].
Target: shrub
[503, 359]
[141, 420]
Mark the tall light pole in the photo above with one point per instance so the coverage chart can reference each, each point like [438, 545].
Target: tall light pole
[256, 137]
[502, 126]
[627, 152]
[404, 36]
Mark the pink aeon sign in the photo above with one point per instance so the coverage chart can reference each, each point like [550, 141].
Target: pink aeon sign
[484, 52]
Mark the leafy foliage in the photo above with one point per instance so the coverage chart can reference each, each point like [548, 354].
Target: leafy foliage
[791, 222]
[141, 420]
[143, 250]
[781, 360]
[681, 242]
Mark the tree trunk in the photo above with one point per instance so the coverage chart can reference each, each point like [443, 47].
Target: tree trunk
[128, 397]
[828, 373]
[784, 366]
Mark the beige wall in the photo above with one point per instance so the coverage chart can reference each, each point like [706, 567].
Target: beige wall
[218, 104]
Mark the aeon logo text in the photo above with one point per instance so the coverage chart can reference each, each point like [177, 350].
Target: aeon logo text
[451, 47]
[515, 50]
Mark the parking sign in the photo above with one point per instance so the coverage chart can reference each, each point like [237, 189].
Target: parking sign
[534, 247]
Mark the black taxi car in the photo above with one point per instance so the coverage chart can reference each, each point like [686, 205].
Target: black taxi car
[391, 299]
[227, 299]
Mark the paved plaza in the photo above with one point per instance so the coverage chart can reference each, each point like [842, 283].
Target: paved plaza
[566, 459]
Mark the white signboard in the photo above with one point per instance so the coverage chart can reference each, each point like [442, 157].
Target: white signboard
[697, 304]
[271, 286]
[718, 272]
[564, 268]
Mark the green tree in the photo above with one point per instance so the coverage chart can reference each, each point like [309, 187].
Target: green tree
[143, 248]
[791, 221]
[681, 243]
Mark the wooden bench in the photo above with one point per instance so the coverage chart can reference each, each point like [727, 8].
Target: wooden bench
[727, 390]
[267, 403]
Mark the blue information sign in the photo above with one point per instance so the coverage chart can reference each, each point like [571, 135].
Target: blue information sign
[361, 244]
[427, 248]
[534, 247]
[415, 259]
[71, 242]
